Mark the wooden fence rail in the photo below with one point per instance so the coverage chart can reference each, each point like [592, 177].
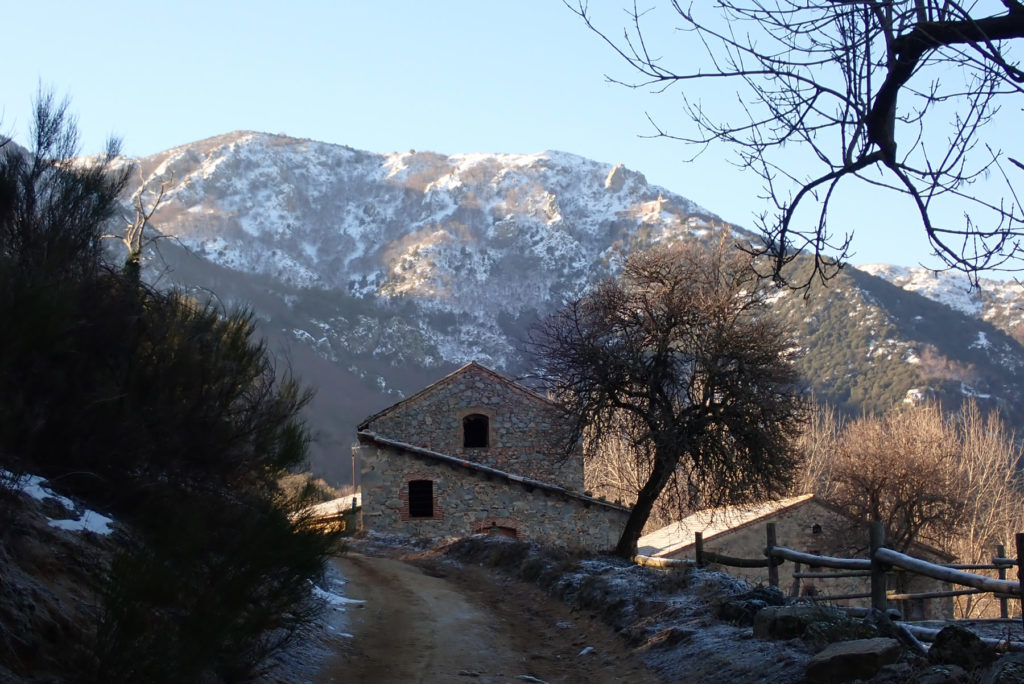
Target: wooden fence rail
[880, 561]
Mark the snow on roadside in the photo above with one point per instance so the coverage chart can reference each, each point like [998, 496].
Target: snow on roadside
[335, 601]
[86, 520]
[319, 641]
[332, 596]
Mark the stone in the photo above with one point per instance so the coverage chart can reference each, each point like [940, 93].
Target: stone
[894, 673]
[741, 609]
[846, 661]
[789, 622]
[943, 674]
[955, 645]
[616, 178]
[1008, 669]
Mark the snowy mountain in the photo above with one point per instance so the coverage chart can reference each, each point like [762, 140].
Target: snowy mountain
[375, 274]
[998, 302]
[476, 237]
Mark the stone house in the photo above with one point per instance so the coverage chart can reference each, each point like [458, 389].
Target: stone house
[803, 523]
[476, 452]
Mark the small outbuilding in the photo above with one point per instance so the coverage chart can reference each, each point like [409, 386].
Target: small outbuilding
[804, 523]
[476, 452]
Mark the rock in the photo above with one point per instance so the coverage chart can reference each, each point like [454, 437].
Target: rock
[846, 661]
[894, 673]
[1009, 669]
[616, 178]
[741, 609]
[788, 622]
[942, 674]
[955, 645]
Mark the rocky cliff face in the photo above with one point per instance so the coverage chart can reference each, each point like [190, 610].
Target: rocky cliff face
[377, 274]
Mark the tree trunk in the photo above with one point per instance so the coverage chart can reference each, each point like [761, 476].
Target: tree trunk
[664, 466]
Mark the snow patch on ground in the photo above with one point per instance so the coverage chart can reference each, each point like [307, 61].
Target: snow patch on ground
[333, 599]
[85, 520]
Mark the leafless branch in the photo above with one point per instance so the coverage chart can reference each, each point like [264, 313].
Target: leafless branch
[858, 85]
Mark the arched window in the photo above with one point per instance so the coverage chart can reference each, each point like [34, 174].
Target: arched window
[421, 499]
[475, 431]
[816, 529]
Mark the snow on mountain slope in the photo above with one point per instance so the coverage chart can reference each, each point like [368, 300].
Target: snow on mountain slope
[998, 302]
[479, 236]
[303, 196]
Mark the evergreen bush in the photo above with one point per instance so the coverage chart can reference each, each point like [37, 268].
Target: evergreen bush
[163, 411]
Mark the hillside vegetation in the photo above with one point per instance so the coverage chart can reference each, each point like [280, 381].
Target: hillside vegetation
[165, 414]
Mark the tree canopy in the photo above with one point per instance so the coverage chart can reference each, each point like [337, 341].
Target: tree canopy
[681, 354]
[899, 95]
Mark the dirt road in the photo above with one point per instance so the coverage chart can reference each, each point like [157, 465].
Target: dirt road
[437, 624]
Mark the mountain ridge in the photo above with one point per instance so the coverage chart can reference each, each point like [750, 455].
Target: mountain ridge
[379, 273]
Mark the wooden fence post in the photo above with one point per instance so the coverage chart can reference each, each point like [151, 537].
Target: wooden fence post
[773, 569]
[1020, 571]
[878, 587]
[1004, 609]
[698, 541]
[795, 591]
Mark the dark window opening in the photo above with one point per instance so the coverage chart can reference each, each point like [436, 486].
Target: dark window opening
[421, 499]
[475, 428]
[816, 529]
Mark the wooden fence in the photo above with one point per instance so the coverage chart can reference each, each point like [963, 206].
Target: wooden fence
[879, 562]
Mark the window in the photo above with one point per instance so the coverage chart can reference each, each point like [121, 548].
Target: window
[421, 499]
[475, 431]
[816, 529]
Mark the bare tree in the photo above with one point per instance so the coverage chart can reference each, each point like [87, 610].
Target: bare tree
[683, 346]
[819, 444]
[988, 473]
[619, 463]
[899, 469]
[896, 94]
[951, 480]
[134, 238]
[616, 464]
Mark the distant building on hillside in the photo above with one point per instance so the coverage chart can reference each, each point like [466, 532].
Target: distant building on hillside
[803, 523]
[476, 452]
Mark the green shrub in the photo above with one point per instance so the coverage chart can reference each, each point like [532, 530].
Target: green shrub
[163, 411]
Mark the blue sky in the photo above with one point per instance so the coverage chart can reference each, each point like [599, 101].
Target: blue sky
[449, 76]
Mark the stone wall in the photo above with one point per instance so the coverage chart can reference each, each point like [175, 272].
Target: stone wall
[526, 431]
[469, 500]
[815, 528]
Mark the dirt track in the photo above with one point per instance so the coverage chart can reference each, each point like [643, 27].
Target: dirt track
[462, 625]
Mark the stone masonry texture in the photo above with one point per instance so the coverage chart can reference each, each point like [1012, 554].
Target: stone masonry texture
[468, 501]
[526, 437]
[527, 432]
